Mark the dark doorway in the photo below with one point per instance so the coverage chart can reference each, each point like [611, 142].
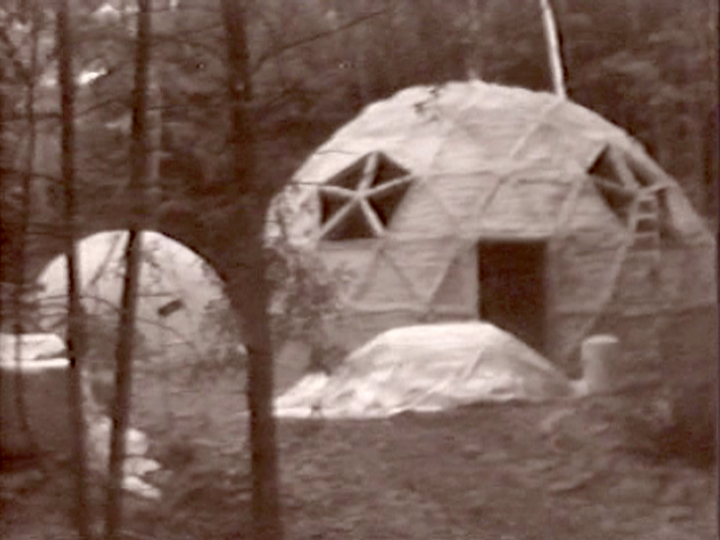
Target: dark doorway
[511, 288]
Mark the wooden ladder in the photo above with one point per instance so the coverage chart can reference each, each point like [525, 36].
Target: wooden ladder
[647, 224]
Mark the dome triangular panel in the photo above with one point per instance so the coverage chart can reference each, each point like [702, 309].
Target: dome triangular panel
[588, 125]
[423, 261]
[385, 285]
[498, 133]
[461, 194]
[592, 213]
[525, 205]
[459, 278]
[422, 214]
[550, 147]
[469, 147]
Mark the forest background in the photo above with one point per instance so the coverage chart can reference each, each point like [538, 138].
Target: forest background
[649, 66]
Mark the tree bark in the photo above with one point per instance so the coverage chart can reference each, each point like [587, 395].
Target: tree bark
[25, 209]
[247, 284]
[2, 202]
[126, 333]
[75, 323]
[710, 123]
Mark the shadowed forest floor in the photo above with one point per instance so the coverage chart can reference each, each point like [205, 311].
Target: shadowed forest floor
[502, 472]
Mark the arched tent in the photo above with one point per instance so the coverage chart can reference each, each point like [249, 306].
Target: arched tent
[472, 200]
[177, 295]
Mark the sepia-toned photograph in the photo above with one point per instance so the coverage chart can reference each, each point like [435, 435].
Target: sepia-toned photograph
[359, 269]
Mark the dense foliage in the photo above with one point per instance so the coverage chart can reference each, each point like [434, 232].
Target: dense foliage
[648, 66]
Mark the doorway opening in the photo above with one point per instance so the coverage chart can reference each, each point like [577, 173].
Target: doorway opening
[511, 291]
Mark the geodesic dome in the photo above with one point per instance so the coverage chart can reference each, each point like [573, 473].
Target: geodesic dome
[472, 200]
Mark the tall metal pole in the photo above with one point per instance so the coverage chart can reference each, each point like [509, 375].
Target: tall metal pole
[553, 47]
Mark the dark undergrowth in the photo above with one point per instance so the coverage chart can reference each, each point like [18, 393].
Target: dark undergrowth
[599, 468]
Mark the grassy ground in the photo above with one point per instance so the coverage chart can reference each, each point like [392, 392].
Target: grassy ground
[501, 472]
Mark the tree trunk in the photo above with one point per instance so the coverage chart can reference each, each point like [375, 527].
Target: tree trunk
[247, 284]
[75, 323]
[248, 294]
[710, 164]
[25, 209]
[153, 190]
[358, 53]
[391, 73]
[2, 202]
[710, 123]
[124, 352]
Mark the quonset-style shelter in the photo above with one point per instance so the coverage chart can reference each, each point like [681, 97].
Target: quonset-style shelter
[176, 295]
[472, 200]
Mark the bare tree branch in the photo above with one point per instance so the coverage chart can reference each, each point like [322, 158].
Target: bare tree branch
[281, 48]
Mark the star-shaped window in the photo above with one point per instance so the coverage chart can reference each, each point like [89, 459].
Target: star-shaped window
[359, 201]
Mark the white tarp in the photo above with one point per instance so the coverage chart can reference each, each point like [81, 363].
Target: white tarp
[427, 368]
[32, 347]
[173, 280]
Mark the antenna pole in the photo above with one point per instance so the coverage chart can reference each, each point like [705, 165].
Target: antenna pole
[553, 45]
